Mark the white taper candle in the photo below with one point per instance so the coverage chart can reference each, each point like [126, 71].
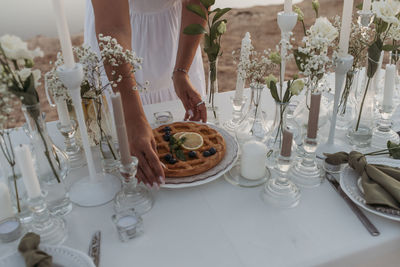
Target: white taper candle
[389, 87]
[24, 157]
[244, 54]
[345, 28]
[120, 126]
[63, 33]
[287, 6]
[366, 6]
[62, 111]
[6, 210]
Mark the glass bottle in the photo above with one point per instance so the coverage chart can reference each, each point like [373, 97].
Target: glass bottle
[212, 91]
[51, 163]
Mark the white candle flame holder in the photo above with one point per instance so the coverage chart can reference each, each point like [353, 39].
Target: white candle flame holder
[97, 188]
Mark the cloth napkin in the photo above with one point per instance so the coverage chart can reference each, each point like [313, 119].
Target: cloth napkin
[29, 248]
[381, 183]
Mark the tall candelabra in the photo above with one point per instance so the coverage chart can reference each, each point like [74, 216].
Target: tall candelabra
[97, 188]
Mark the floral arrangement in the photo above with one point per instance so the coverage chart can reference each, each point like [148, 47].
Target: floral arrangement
[93, 86]
[312, 57]
[216, 27]
[387, 14]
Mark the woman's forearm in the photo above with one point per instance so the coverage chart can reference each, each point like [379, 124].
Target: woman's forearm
[188, 43]
[114, 21]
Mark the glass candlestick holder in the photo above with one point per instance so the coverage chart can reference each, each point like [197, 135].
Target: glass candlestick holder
[132, 194]
[306, 172]
[237, 113]
[384, 132]
[72, 149]
[365, 18]
[280, 191]
[52, 229]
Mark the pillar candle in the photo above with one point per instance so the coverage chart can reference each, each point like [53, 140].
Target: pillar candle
[366, 6]
[313, 116]
[287, 6]
[120, 127]
[389, 87]
[345, 27]
[253, 160]
[287, 140]
[6, 210]
[244, 54]
[24, 157]
[62, 111]
[63, 33]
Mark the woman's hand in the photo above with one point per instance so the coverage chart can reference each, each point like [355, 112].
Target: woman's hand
[191, 99]
[143, 146]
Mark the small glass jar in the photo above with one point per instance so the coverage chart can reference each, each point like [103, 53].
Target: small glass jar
[128, 223]
[163, 117]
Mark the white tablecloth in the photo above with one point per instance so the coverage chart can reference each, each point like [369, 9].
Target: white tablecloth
[218, 224]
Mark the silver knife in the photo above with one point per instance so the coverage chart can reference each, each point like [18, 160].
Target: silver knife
[360, 215]
[94, 248]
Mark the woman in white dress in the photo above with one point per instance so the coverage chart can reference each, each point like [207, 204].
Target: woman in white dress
[153, 29]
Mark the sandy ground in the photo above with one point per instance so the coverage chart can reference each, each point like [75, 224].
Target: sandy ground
[259, 21]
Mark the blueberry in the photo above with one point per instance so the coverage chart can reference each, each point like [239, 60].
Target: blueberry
[168, 157]
[206, 153]
[172, 161]
[166, 129]
[193, 154]
[166, 137]
[212, 151]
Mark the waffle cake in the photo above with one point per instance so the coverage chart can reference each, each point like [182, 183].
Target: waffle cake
[192, 165]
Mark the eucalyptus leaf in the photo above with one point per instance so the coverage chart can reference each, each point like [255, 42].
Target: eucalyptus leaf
[207, 3]
[287, 94]
[374, 53]
[274, 91]
[194, 29]
[220, 13]
[197, 10]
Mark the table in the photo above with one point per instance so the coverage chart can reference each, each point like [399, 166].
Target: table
[218, 224]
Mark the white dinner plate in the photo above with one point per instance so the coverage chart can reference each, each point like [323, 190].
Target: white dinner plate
[348, 182]
[62, 257]
[229, 160]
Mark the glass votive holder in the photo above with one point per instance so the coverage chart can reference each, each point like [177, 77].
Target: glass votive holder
[128, 223]
[163, 117]
[10, 229]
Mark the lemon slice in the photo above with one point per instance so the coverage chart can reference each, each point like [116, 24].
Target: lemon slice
[178, 135]
[193, 141]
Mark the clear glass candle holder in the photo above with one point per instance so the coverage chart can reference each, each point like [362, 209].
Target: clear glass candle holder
[11, 229]
[129, 224]
[163, 117]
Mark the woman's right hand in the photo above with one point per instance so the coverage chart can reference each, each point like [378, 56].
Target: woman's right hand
[143, 146]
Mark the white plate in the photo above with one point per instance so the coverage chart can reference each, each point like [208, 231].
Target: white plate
[348, 182]
[62, 256]
[229, 160]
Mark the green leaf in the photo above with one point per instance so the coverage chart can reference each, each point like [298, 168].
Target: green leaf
[300, 59]
[197, 10]
[382, 27]
[194, 29]
[214, 30]
[207, 3]
[359, 6]
[274, 91]
[287, 94]
[180, 155]
[220, 13]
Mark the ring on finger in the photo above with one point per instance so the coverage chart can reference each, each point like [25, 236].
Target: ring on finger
[200, 103]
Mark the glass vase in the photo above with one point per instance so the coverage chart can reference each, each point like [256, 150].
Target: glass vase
[11, 174]
[50, 162]
[347, 106]
[212, 90]
[274, 138]
[253, 125]
[360, 132]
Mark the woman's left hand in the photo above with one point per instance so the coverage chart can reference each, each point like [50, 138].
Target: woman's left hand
[191, 99]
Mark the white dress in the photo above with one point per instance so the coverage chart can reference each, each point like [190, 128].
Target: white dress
[155, 38]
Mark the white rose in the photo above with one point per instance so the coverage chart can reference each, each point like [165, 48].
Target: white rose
[15, 48]
[296, 87]
[387, 10]
[24, 74]
[323, 29]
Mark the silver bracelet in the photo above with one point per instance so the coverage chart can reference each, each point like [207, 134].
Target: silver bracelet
[180, 70]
